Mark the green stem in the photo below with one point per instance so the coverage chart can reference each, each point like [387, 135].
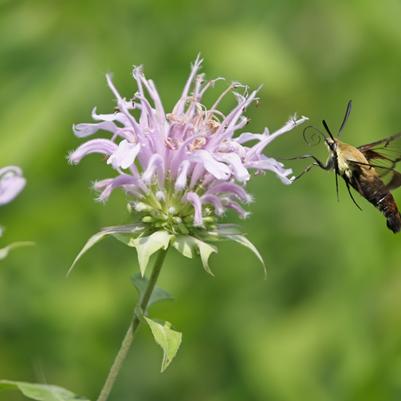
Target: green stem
[133, 327]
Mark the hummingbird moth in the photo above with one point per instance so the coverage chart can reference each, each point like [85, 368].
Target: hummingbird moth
[369, 169]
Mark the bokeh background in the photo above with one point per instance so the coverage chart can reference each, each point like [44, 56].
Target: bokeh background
[325, 325]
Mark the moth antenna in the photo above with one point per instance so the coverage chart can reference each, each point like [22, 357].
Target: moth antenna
[327, 129]
[347, 113]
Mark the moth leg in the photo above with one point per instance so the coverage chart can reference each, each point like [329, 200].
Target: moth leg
[307, 168]
[351, 196]
[317, 162]
[338, 195]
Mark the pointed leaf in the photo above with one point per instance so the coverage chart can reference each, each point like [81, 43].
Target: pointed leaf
[147, 246]
[241, 239]
[41, 392]
[114, 230]
[205, 250]
[6, 250]
[127, 236]
[158, 293]
[185, 245]
[122, 238]
[168, 339]
[228, 229]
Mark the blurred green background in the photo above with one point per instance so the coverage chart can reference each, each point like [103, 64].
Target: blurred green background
[325, 325]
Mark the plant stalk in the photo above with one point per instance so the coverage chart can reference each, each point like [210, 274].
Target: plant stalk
[133, 327]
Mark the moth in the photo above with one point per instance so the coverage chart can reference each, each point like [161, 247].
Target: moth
[369, 169]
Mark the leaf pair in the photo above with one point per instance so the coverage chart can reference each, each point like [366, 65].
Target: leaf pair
[167, 338]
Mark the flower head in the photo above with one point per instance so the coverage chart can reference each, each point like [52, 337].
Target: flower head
[183, 169]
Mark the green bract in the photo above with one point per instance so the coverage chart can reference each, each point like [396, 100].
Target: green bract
[147, 243]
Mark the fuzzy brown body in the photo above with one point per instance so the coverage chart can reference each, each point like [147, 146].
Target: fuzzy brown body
[356, 170]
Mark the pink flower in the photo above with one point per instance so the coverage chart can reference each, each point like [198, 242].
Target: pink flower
[185, 168]
[11, 183]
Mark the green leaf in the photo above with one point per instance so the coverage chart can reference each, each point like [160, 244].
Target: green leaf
[187, 245]
[122, 238]
[41, 392]
[158, 294]
[205, 250]
[6, 250]
[114, 231]
[228, 229]
[126, 237]
[241, 239]
[168, 339]
[147, 246]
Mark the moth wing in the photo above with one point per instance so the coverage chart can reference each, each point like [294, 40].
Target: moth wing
[395, 180]
[383, 156]
[382, 143]
[390, 177]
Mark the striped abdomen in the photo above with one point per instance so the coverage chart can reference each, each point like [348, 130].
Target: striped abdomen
[367, 182]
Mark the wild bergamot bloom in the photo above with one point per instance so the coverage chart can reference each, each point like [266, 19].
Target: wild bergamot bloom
[12, 183]
[182, 170]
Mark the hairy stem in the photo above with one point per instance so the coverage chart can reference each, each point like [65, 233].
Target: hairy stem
[133, 327]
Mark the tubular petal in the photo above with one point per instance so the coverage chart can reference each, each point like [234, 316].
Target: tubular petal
[197, 204]
[124, 156]
[211, 165]
[102, 146]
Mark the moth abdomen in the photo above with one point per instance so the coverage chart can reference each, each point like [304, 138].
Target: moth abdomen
[390, 210]
[380, 197]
